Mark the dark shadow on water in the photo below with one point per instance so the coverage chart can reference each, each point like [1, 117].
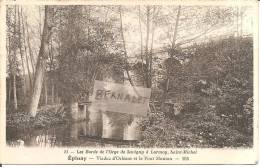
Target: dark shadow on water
[74, 134]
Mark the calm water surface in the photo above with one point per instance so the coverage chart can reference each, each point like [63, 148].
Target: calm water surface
[75, 134]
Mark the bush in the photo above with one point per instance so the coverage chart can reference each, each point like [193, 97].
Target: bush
[203, 129]
[23, 120]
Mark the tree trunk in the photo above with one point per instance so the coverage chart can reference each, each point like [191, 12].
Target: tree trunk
[14, 91]
[141, 47]
[241, 23]
[52, 92]
[52, 68]
[41, 65]
[21, 52]
[88, 18]
[29, 47]
[173, 44]
[10, 79]
[45, 91]
[146, 46]
[176, 27]
[26, 56]
[9, 91]
[40, 22]
[237, 15]
[125, 52]
[151, 49]
[14, 70]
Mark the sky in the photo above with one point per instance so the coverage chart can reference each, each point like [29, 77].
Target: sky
[130, 21]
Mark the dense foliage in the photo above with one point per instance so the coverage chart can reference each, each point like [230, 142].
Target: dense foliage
[85, 54]
[218, 108]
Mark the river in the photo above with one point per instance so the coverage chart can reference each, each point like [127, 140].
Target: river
[74, 134]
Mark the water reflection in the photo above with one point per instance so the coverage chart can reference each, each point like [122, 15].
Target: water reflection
[97, 131]
[110, 129]
[94, 125]
[63, 135]
[45, 140]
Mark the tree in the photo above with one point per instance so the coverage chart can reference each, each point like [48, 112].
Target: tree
[183, 26]
[147, 16]
[41, 63]
[21, 50]
[125, 52]
[12, 47]
[88, 53]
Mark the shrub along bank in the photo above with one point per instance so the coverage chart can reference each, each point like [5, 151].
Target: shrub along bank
[219, 77]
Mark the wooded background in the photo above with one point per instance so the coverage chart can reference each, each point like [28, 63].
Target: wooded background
[198, 61]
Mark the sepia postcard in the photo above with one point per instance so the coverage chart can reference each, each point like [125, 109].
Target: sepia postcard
[129, 82]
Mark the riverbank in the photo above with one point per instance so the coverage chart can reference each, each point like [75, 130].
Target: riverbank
[43, 119]
[203, 128]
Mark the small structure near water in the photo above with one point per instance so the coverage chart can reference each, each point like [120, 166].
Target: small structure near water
[107, 124]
